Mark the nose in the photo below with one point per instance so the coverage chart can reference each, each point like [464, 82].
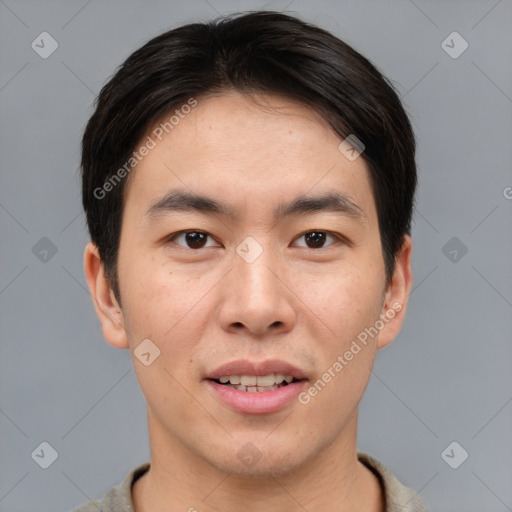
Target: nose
[257, 300]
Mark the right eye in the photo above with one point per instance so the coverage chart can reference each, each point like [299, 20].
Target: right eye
[191, 239]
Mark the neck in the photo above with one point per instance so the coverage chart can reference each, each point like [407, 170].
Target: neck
[332, 479]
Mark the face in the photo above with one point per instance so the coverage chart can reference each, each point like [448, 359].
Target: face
[249, 240]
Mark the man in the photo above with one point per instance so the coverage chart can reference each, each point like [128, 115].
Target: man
[249, 186]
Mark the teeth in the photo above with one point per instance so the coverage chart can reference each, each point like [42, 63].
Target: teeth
[267, 380]
[253, 381]
[253, 389]
[248, 380]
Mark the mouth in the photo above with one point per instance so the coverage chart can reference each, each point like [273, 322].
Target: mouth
[256, 383]
[256, 388]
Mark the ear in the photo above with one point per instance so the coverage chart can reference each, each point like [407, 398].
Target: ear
[107, 308]
[397, 295]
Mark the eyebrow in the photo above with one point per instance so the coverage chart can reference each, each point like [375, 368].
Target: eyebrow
[186, 201]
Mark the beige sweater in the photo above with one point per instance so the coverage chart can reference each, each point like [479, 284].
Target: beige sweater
[398, 498]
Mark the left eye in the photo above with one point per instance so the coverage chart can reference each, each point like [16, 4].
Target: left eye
[316, 239]
[193, 239]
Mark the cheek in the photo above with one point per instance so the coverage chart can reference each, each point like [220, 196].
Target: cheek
[165, 305]
[349, 303]
[148, 292]
[347, 299]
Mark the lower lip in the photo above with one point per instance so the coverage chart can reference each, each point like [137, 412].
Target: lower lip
[258, 402]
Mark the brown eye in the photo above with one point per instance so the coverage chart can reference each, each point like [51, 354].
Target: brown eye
[192, 239]
[195, 240]
[315, 239]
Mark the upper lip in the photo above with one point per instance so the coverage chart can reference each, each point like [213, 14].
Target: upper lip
[246, 367]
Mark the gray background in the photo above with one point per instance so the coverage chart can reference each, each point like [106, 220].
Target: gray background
[448, 375]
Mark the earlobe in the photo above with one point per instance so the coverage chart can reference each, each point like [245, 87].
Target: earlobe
[396, 296]
[107, 308]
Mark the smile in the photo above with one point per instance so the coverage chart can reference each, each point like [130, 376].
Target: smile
[256, 384]
[256, 399]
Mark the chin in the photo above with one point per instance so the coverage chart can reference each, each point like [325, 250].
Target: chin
[267, 467]
[260, 458]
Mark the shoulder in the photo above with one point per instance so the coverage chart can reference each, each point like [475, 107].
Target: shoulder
[119, 498]
[398, 497]
[90, 506]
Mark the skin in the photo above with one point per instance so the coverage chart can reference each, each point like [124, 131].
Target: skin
[205, 307]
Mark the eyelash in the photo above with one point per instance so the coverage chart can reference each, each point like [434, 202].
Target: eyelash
[337, 237]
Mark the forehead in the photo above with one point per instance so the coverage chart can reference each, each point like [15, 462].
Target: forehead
[247, 147]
